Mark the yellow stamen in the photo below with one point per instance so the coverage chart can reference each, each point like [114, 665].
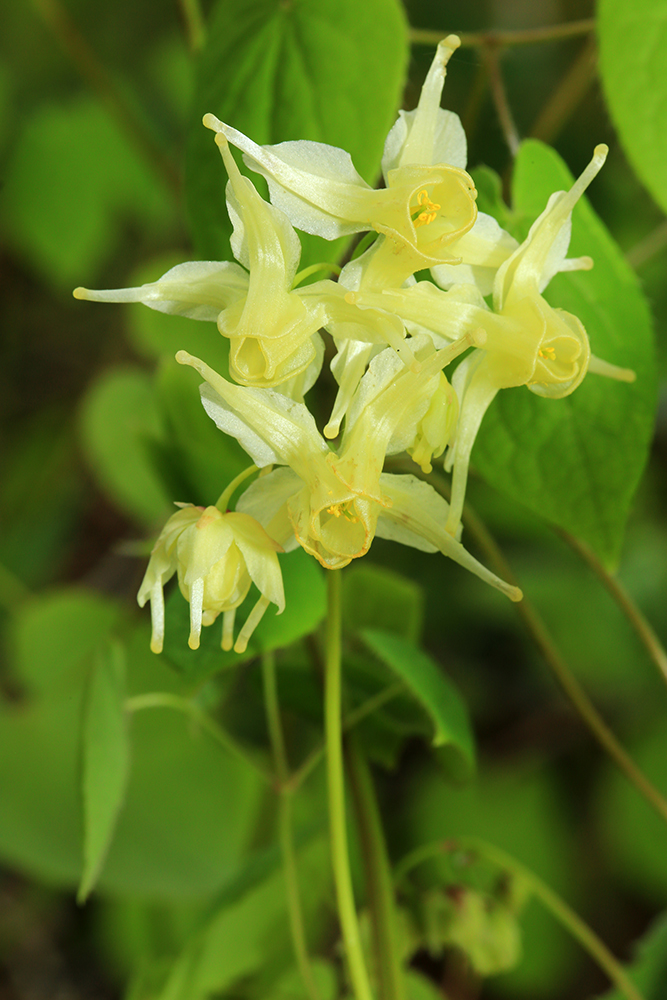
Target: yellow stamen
[548, 352]
[427, 212]
[342, 510]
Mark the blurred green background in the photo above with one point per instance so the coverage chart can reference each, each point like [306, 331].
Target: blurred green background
[96, 111]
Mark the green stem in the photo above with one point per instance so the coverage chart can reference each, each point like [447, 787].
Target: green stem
[580, 930]
[100, 80]
[222, 503]
[525, 36]
[286, 832]
[568, 682]
[568, 94]
[643, 629]
[194, 24]
[164, 699]
[336, 788]
[351, 719]
[379, 883]
[491, 57]
[313, 269]
[647, 248]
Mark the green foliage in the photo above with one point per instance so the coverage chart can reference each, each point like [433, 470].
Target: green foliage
[484, 928]
[325, 70]
[55, 635]
[201, 800]
[118, 420]
[633, 832]
[632, 44]
[649, 969]
[380, 598]
[555, 456]
[106, 759]
[74, 172]
[516, 806]
[249, 936]
[435, 693]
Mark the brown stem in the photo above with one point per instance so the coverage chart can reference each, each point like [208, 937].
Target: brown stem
[490, 55]
[92, 70]
[641, 626]
[568, 94]
[523, 36]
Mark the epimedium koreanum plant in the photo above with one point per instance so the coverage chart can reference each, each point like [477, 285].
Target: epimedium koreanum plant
[395, 336]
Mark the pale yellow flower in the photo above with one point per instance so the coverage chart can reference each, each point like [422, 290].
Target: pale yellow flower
[427, 205]
[216, 557]
[333, 503]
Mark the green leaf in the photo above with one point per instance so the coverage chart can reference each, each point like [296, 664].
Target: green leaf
[305, 597]
[377, 597]
[106, 759]
[489, 187]
[201, 801]
[649, 969]
[54, 635]
[577, 461]
[633, 38]
[325, 70]
[72, 171]
[430, 687]
[251, 935]
[118, 419]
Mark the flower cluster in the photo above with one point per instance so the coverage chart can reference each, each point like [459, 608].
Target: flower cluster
[394, 337]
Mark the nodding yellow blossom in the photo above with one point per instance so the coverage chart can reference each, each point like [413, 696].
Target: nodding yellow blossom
[528, 341]
[216, 556]
[320, 191]
[333, 503]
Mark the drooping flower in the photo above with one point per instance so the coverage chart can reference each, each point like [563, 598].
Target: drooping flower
[216, 556]
[428, 205]
[528, 342]
[334, 503]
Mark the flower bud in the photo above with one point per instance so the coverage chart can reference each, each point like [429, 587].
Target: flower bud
[216, 556]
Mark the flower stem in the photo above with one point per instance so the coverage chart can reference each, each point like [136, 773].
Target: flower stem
[491, 58]
[643, 629]
[351, 719]
[286, 832]
[569, 683]
[164, 699]
[339, 850]
[222, 503]
[523, 36]
[83, 56]
[379, 883]
[580, 930]
[194, 24]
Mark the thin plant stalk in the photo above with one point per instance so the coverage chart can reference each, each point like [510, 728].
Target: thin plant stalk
[641, 626]
[577, 927]
[568, 682]
[379, 882]
[568, 94]
[491, 56]
[90, 67]
[336, 788]
[193, 20]
[349, 721]
[286, 831]
[164, 699]
[522, 36]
